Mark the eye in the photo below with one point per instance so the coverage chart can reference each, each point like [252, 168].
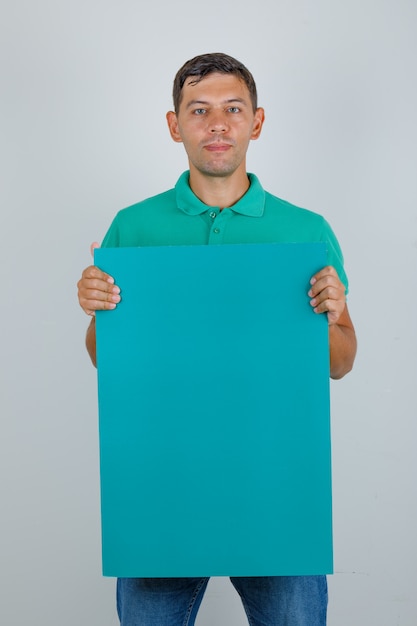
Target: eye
[233, 110]
[199, 111]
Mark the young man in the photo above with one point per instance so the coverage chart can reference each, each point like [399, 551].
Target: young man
[216, 116]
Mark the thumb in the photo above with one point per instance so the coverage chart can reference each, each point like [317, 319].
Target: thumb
[93, 246]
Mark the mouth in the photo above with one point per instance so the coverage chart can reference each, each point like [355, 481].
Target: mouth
[217, 147]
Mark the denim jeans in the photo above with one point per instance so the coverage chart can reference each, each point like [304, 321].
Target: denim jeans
[268, 601]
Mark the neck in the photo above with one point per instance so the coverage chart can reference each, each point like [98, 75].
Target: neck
[219, 191]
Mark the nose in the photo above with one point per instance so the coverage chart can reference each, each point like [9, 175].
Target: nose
[218, 122]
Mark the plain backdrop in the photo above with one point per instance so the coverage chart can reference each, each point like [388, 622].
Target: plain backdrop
[85, 86]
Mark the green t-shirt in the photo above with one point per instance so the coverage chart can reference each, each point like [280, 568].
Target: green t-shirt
[178, 217]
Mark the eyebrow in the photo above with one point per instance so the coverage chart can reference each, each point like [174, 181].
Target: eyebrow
[192, 103]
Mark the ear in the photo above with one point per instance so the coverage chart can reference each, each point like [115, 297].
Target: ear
[173, 126]
[258, 123]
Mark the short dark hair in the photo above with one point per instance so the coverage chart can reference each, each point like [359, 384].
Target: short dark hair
[205, 64]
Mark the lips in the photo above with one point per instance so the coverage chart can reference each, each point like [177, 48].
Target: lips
[217, 147]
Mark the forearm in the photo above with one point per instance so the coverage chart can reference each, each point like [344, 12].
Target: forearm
[90, 341]
[342, 340]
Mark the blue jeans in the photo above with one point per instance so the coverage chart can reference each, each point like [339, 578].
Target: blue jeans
[268, 601]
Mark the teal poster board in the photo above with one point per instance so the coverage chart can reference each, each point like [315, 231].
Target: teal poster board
[213, 381]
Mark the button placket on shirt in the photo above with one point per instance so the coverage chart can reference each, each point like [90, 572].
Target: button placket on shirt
[219, 219]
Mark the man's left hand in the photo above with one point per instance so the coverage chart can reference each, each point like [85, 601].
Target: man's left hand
[327, 294]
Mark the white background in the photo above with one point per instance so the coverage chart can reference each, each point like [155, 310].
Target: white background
[84, 89]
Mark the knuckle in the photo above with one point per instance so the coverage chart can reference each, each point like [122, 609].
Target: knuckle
[96, 294]
[92, 271]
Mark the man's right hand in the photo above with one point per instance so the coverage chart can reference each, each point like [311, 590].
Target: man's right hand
[96, 290]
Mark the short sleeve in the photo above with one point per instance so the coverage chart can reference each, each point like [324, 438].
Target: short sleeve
[334, 253]
[112, 237]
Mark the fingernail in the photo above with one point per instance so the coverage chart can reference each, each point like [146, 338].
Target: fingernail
[313, 280]
[110, 280]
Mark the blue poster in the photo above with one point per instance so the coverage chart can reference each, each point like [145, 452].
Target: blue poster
[213, 383]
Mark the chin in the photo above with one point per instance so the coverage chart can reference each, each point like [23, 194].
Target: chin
[217, 169]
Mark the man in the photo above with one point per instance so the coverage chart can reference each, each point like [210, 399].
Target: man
[216, 116]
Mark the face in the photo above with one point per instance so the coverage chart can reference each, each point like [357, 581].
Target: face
[216, 122]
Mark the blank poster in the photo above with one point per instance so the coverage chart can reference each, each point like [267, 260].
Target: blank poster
[213, 381]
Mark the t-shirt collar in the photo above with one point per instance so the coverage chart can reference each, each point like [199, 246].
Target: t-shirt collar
[251, 204]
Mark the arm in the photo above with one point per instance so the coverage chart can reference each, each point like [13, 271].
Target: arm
[90, 341]
[327, 295]
[342, 339]
[96, 292]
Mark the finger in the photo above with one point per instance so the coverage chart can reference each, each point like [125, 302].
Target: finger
[97, 291]
[327, 305]
[328, 294]
[93, 247]
[91, 306]
[329, 270]
[332, 292]
[95, 300]
[95, 272]
[333, 308]
[333, 315]
[327, 283]
[91, 290]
